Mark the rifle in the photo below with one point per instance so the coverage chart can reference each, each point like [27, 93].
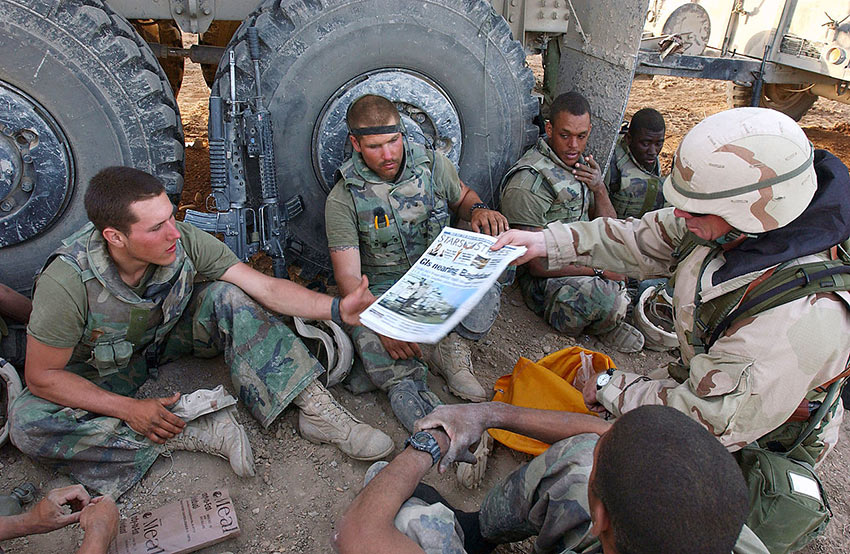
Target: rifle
[248, 217]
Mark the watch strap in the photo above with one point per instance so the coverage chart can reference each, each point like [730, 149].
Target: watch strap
[336, 316]
[425, 442]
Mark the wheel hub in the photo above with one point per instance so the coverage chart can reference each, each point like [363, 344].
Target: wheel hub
[36, 168]
[428, 114]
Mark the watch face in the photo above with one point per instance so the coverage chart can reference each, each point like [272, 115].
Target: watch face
[602, 380]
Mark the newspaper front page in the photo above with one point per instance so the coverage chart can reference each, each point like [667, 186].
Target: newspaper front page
[441, 288]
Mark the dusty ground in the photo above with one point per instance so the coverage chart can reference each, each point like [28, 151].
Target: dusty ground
[300, 489]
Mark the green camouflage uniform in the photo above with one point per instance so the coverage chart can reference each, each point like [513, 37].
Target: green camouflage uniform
[633, 190]
[536, 191]
[174, 317]
[754, 376]
[416, 211]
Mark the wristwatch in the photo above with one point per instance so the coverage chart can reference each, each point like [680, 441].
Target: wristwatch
[425, 442]
[603, 378]
[476, 206]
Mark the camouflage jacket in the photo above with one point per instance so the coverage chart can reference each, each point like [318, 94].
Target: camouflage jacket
[633, 190]
[568, 198]
[121, 323]
[756, 374]
[395, 221]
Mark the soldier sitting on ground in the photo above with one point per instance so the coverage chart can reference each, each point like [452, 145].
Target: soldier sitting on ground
[119, 298]
[98, 518]
[554, 181]
[654, 481]
[391, 200]
[634, 175]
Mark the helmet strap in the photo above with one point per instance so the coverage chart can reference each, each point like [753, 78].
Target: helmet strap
[732, 236]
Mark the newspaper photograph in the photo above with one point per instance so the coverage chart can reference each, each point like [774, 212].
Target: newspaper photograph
[441, 288]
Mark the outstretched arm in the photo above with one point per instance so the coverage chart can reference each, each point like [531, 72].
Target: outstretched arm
[48, 515]
[464, 423]
[367, 525]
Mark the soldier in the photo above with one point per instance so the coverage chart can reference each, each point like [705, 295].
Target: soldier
[752, 198]
[654, 481]
[119, 298]
[634, 176]
[554, 181]
[391, 200]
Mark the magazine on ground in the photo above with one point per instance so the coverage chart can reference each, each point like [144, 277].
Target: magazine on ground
[444, 284]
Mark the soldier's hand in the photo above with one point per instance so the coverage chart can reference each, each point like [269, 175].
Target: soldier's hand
[150, 417]
[463, 423]
[353, 304]
[399, 349]
[533, 241]
[590, 174]
[489, 222]
[590, 400]
[99, 521]
[48, 515]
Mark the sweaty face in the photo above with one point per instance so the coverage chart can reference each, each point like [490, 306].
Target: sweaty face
[706, 227]
[645, 146]
[153, 237]
[381, 153]
[568, 135]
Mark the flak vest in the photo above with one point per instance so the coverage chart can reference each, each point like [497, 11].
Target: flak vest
[395, 221]
[572, 198]
[633, 190]
[119, 322]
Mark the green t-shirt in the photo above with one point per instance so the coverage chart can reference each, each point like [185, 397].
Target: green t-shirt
[59, 304]
[341, 217]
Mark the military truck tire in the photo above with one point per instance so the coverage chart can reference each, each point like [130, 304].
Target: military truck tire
[787, 99]
[316, 57]
[81, 91]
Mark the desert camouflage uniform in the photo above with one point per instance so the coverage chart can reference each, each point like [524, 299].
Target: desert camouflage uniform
[269, 365]
[546, 497]
[572, 305]
[633, 190]
[415, 215]
[755, 375]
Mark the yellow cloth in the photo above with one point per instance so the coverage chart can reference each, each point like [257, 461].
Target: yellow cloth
[546, 385]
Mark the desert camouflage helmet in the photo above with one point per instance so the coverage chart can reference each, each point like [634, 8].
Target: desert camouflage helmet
[750, 166]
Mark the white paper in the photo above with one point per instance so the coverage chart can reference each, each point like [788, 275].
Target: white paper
[804, 484]
[441, 288]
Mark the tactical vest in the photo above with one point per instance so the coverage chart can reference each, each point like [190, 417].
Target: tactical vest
[120, 323]
[395, 221]
[572, 197]
[781, 285]
[633, 191]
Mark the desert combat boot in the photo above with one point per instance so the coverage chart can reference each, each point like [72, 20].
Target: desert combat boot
[220, 434]
[453, 360]
[324, 420]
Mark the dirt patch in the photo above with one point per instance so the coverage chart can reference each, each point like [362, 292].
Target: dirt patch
[300, 490]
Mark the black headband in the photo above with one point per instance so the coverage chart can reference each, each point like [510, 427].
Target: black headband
[379, 130]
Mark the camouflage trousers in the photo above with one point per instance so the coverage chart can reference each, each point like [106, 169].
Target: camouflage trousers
[546, 497]
[384, 372]
[577, 305]
[269, 366]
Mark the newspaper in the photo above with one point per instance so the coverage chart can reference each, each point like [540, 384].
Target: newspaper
[441, 288]
[183, 526]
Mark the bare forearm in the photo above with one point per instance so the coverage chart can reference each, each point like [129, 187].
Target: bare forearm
[14, 304]
[94, 543]
[16, 526]
[549, 426]
[69, 389]
[602, 206]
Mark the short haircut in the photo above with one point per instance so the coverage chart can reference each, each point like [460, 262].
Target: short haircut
[111, 192]
[668, 485]
[571, 102]
[371, 110]
[648, 119]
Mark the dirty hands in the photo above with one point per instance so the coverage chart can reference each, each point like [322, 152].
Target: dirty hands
[151, 418]
[463, 423]
[99, 521]
[534, 242]
[49, 515]
[353, 304]
[588, 391]
[399, 349]
[489, 222]
[590, 174]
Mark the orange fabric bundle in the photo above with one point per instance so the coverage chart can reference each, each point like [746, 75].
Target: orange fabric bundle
[547, 385]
